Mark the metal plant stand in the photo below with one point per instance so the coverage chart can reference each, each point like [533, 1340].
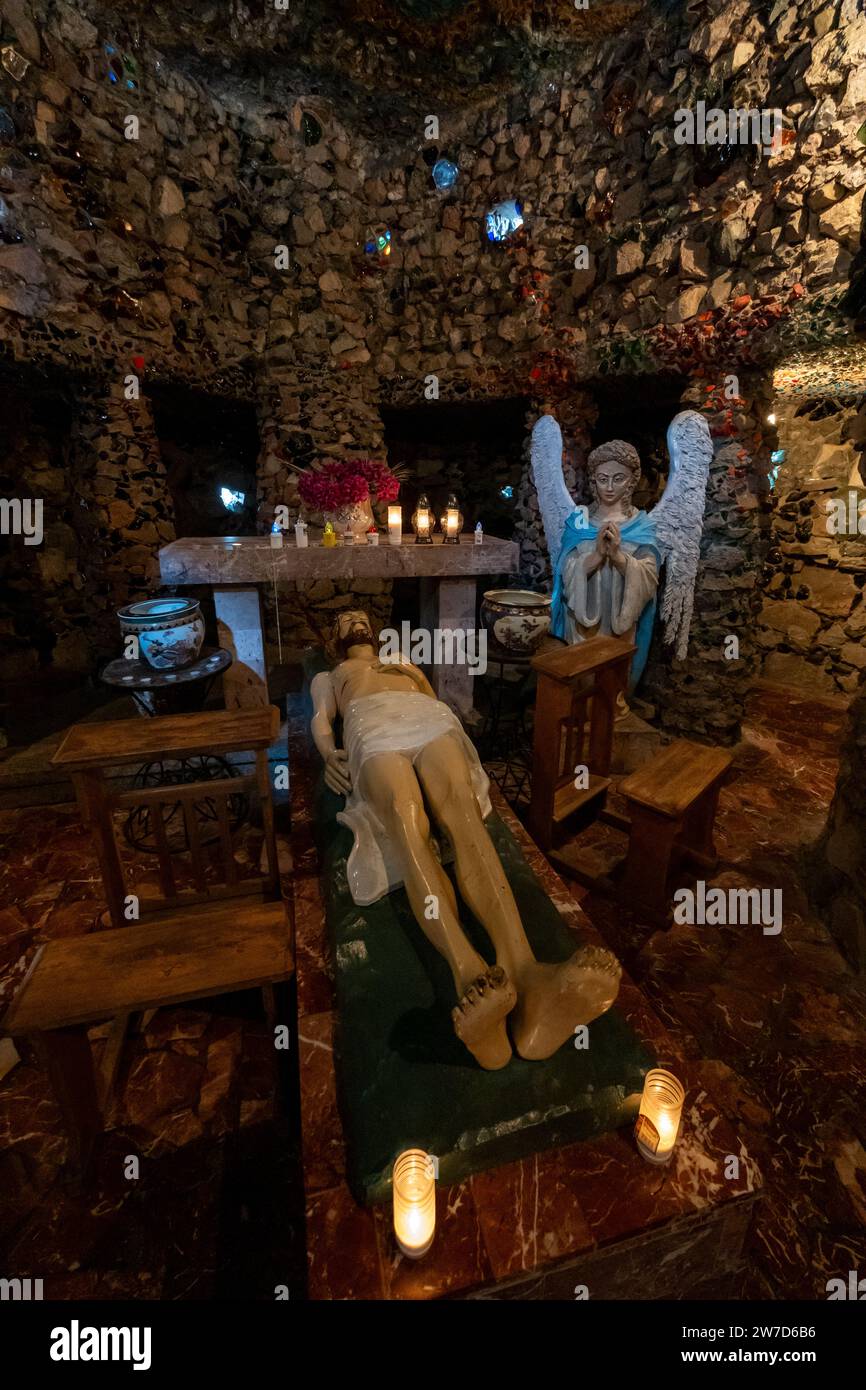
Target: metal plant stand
[506, 693]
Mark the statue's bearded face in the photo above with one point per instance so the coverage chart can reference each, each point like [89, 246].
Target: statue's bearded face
[353, 629]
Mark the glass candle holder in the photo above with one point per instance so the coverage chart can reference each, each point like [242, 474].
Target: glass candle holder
[658, 1121]
[423, 522]
[451, 522]
[414, 1190]
[395, 524]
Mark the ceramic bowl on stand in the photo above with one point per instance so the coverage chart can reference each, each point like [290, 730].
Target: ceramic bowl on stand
[516, 619]
[170, 631]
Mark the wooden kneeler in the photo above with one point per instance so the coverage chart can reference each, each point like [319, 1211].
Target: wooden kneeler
[216, 938]
[672, 802]
[575, 711]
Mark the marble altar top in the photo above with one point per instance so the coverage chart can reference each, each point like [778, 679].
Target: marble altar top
[252, 559]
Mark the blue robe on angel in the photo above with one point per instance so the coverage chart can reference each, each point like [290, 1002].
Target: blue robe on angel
[608, 602]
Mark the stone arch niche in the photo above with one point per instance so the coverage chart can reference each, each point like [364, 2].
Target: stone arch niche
[207, 443]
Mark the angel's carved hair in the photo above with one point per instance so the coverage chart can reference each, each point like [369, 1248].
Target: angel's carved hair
[618, 452]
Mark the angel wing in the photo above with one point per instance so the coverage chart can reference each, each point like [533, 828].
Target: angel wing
[678, 520]
[554, 499]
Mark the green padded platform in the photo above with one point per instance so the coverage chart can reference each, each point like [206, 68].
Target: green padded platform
[403, 1078]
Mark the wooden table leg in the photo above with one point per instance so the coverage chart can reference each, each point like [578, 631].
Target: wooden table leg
[698, 823]
[67, 1057]
[650, 847]
[552, 709]
[92, 794]
[240, 631]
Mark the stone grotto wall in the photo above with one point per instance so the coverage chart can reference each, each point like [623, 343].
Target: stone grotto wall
[683, 696]
[161, 251]
[813, 619]
[106, 513]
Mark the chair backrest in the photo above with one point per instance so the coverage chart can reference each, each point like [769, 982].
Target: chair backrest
[176, 819]
[187, 825]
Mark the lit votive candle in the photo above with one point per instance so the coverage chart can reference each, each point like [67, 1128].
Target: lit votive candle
[414, 1186]
[395, 525]
[452, 523]
[658, 1121]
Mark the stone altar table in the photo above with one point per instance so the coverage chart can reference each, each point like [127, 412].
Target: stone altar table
[235, 566]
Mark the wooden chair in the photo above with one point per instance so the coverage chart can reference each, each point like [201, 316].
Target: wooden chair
[219, 935]
[575, 710]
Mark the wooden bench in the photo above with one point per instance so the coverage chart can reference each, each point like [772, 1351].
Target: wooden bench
[225, 933]
[77, 982]
[672, 803]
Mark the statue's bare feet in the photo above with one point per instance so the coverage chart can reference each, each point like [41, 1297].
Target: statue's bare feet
[479, 1018]
[553, 999]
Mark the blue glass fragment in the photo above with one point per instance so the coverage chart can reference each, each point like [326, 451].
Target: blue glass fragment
[445, 173]
[504, 219]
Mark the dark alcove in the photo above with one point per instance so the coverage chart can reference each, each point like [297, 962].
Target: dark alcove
[473, 449]
[207, 443]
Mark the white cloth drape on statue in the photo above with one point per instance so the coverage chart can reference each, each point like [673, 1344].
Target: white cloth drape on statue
[393, 721]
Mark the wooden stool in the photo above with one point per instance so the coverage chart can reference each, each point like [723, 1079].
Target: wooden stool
[672, 803]
[225, 933]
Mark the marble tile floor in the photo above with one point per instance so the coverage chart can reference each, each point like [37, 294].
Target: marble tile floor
[211, 1110]
[779, 1018]
[204, 1101]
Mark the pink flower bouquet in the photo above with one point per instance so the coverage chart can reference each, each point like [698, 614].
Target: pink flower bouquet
[332, 484]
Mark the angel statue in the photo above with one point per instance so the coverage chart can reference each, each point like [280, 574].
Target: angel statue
[606, 558]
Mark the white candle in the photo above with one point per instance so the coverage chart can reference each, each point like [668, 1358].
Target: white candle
[658, 1121]
[452, 521]
[301, 537]
[414, 1192]
[276, 540]
[395, 525]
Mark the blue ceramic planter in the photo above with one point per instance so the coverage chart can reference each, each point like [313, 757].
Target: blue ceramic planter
[170, 631]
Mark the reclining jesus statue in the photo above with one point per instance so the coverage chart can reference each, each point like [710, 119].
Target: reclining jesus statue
[405, 758]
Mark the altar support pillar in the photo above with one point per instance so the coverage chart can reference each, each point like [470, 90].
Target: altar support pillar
[240, 631]
[450, 603]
